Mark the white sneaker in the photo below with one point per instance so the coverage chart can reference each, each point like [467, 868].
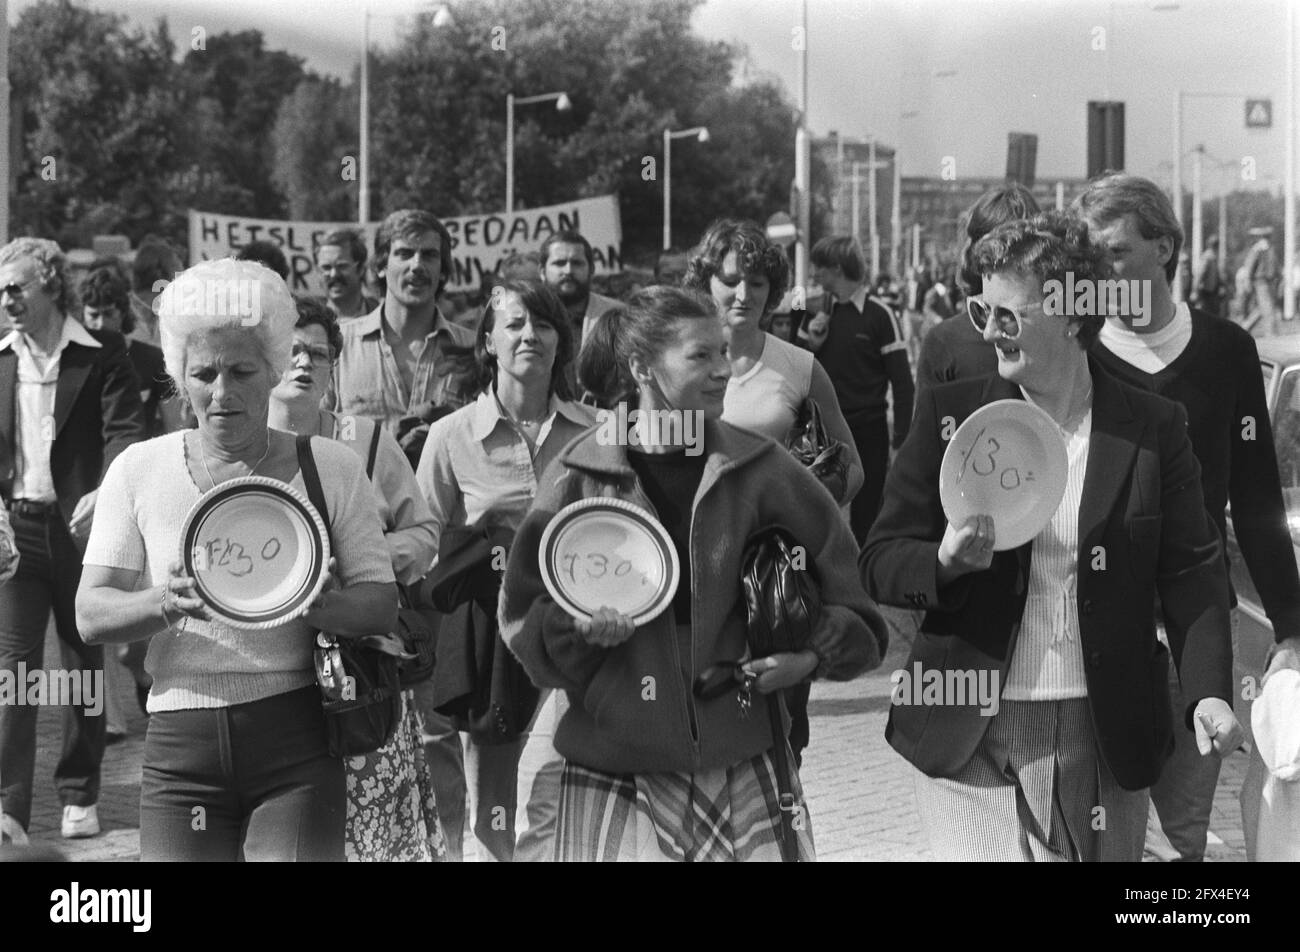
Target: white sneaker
[11, 831]
[80, 822]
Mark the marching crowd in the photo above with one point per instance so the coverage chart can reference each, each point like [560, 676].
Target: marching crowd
[439, 446]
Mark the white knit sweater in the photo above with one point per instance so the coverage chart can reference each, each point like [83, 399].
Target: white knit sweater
[141, 509]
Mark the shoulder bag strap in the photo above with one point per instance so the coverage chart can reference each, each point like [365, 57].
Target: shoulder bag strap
[374, 451]
[311, 477]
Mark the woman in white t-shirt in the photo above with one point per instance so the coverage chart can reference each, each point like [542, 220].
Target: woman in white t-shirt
[746, 275]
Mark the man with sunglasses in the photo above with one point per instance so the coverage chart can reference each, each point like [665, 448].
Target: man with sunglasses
[69, 405]
[1211, 367]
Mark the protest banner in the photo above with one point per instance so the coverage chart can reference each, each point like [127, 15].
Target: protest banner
[478, 242]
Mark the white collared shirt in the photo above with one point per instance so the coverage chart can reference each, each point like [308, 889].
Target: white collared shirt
[34, 411]
[475, 461]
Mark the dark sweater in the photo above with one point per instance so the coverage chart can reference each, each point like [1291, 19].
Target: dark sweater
[953, 350]
[1217, 379]
[671, 480]
[864, 354]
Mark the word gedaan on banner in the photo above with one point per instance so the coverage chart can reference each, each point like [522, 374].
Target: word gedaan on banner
[478, 242]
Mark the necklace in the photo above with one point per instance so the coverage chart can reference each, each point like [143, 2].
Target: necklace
[203, 456]
[519, 421]
[1072, 422]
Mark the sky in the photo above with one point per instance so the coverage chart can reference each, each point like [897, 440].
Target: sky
[939, 79]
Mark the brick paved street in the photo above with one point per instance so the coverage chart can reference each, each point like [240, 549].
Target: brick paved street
[859, 791]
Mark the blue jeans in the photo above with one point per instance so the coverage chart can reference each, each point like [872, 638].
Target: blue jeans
[49, 572]
[253, 781]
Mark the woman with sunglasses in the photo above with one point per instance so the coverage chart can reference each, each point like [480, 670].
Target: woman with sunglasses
[1055, 766]
[391, 813]
[653, 771]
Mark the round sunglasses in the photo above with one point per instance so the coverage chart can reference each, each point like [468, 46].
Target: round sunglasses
[1006, 319]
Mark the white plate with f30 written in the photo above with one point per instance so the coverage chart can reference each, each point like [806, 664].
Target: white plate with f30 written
[258, 551]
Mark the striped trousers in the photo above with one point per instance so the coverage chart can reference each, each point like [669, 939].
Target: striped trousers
[1035, 790]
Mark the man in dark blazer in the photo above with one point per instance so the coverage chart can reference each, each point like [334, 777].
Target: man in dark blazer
[69, 404]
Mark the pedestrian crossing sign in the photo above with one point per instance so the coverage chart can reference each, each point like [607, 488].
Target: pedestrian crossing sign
[1259, 113]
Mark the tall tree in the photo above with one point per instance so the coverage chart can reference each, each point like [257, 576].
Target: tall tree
[314, 145]
[239, 86]
[101, 114]
[631, 68]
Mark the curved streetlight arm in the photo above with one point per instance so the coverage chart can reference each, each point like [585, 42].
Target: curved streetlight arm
[562, 104]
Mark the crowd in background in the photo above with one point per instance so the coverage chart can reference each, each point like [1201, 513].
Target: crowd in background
[434, 429]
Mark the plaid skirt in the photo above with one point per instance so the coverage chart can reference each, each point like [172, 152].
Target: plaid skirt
[725, 814]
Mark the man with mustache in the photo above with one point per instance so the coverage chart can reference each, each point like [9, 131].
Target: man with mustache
[341, 260]
[567, 264]
[405, 364]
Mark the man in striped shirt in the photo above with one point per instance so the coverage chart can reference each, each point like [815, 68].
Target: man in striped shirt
[859, 341]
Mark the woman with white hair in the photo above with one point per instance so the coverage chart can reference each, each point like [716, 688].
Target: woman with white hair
[236, 762]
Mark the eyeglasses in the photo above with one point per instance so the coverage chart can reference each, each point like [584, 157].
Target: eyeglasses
[1006, 319]
[18, 291]
[320, 356]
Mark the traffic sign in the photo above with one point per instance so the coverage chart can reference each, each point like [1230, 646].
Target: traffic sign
[1259, 113]
[782, 230]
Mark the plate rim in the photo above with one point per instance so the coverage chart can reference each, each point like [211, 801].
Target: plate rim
[1061, 459]
[272, 487]
[566, 515]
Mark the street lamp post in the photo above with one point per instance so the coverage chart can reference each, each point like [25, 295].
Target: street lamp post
[802, 161]
[1176, 191]
[4, 121]
[363, 192]
[701, 134]
[562, 104]
[442, 19]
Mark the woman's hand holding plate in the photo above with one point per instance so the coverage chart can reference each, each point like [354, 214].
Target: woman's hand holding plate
[965, 549]
[606, 628]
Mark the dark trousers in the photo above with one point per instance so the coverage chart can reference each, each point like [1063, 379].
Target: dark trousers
[254, 781]
[49, 571]
[872, 440]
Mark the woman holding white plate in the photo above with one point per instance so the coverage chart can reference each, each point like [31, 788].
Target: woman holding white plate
[1055, 762]
[236, 761]
[651, 771]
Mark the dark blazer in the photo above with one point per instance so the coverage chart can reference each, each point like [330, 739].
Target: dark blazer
[1143, 529]
[97, 414]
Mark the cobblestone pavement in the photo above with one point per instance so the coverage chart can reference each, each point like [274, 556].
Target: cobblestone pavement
[859, 791]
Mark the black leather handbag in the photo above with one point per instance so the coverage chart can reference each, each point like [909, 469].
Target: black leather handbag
[811, 445]
[782, 593]
[358, 677]
[783, 604]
